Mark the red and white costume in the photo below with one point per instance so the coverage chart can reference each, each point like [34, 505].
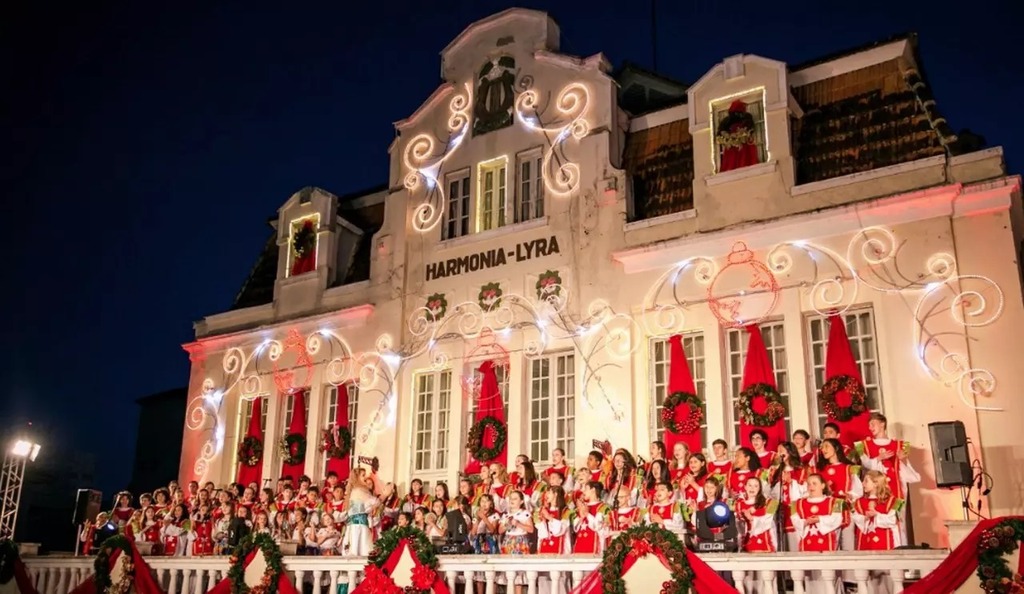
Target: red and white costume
[553, 534]
[882, 532]
[739, 477]
[694, 494]
[673, 516]
[150, 532]
[900, 472]
[823, 536]
[790, 487]
[202, 537]
[759, 535]
[414, 501]
[564, 471]
[175, 537]
[591, 524]
[625, 518]
[766, 457]
[723, 469]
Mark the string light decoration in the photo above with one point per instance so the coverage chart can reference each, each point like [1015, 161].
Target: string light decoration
[561, 176]
[738, 309]
[832, 284]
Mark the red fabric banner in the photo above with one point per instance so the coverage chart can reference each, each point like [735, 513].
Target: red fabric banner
[21, 577]
[490, 404]
[839, 361]
[253, 474]
[960, 564]
[680, 380]
[298, 425]
[144, 583]
[341, 467]
[758, 370]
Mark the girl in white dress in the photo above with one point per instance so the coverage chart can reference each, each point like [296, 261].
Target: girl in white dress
[361, 503]
[327, 536]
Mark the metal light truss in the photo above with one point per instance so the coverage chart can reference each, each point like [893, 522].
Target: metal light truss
[12, 477]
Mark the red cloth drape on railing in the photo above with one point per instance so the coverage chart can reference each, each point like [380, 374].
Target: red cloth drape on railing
[680, 380]
[439, 586]
[253, 474]
[839, 361]
[491, 404]
[705, 580]
[284, 581]
[144, 583]
[758, 370]
[341, 466]
[298, 425]
[960, 564]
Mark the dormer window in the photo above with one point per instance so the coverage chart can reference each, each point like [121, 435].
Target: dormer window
[739, 132]
[302, 240]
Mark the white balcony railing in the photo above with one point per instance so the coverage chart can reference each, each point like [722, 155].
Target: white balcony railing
[556, 574]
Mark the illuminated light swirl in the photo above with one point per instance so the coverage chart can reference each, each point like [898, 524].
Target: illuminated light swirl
[252, 385]
[424, 156]
[274, 350]
[666, 290]
[877, 245]
[202, 464]
[828, 294]
[968, 307]
[664, 318]
[942, 265]
[561, 176]
[196, 413]
[555, 298]
[439, 361]
[420, 323]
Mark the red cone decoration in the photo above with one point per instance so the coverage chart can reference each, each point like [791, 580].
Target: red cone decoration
[758, 370]
[253, 474]
[839, 362]
[298, 425]
[680, 380]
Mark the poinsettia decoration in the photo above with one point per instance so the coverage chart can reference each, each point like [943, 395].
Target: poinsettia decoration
[549, 285]
[490, 296]
[437, 306]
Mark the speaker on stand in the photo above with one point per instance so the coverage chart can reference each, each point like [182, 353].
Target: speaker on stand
[951, 459]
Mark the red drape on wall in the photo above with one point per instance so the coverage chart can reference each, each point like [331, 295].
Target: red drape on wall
[253, 474]
[341, 466]
[680, 380]
[758, 370]
[298, 425]
[839, 361]
[490, 404]
[959, 565]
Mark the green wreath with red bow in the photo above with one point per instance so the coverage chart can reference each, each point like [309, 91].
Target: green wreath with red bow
[843, 412]
[640, 541]
[761, 405]
[250, 451]
[104, 583]
[670, 413]
[475, 439]
[293, 448]
[336, 442]
[270, 577]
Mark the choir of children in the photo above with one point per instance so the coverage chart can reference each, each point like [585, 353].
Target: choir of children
[816, 499]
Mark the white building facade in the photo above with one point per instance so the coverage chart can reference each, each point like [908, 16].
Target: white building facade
[535, 216]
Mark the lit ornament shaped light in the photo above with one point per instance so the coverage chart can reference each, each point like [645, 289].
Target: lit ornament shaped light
[744, 292]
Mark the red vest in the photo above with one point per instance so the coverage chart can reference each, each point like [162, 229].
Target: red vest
[875, 539]
[815, 542]
[758, 543]
[892, 465]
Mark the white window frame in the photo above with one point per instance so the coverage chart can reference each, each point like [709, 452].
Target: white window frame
[494, 196]
[721, 107]
[289, 408]
[293, 228]
[773, 332]
[458, 205]
[659, 369]
[529, 194]
[545, 393]
[331, 413]
[860, 330]
[247, 412]
[431, 429]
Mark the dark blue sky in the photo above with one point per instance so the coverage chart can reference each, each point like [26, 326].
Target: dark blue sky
[146, 144]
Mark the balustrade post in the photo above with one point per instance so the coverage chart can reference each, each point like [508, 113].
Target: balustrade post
[489, 575]
[353, 580]
[317, 576]
[767, 579]
[828, 580]
[173, 588]
[510, 580]
[738, 575]
[897, 575]
[334, 581]
[531, 582]
[798, 581]
[556, 581]
[861, 577]
[467, 575]
[577, 579]
[300, 575]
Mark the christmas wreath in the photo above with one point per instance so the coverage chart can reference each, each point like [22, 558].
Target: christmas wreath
[272, 554]
[671, 412]
[8, 555]
[423, 576]
[640, 541]
[250, 451]
[336, 442]
[293, 447]
[843, 411]
[993, 570]
[761, 405]
[304, 240]
[475, 440]
[104, 585]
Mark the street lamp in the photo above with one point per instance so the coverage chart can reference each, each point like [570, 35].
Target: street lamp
[12, 478]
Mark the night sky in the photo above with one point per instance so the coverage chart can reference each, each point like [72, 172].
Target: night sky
[147, 144]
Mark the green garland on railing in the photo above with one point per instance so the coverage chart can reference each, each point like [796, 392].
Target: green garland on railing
[993, 547]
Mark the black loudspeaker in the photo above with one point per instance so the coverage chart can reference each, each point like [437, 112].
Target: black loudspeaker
[87, 504]
[949, 452]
